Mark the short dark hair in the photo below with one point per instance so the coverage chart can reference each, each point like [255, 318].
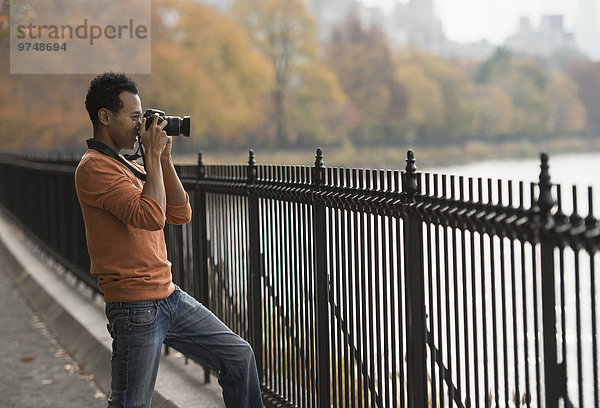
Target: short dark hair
[104, 92]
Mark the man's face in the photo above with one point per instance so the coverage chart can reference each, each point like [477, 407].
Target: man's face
[125, 124]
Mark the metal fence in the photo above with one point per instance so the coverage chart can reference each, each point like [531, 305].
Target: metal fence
[374, 288]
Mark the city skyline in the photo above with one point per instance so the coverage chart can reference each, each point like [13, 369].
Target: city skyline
[471, 29]
[492, 20]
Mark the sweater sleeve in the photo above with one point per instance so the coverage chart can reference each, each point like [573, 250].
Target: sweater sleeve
[106, 185]
[179, 214]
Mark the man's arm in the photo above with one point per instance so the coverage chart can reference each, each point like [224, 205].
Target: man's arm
[104, 183]
[175, 192]
[155, 141]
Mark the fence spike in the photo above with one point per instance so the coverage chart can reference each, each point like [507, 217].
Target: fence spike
[319, 158]
[200, 170]
[252, 169]
[319, 168]
[545, 200]
[410, 185]
[590, 221]
[252, 159]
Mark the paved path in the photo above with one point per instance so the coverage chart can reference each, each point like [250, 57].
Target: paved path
[35, 372]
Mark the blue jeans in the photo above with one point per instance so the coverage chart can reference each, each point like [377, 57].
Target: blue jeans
[139, 330]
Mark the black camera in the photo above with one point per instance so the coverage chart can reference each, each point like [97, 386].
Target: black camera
[176, 126]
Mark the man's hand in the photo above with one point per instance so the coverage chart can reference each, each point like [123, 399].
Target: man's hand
[155, 139]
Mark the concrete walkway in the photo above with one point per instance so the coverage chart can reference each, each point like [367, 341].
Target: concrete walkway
[54, 346]
[36, 371]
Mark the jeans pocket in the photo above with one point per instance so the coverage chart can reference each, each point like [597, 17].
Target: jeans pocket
[143, 316]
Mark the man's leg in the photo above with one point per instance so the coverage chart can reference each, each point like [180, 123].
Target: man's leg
[138, 332]
[200, 335]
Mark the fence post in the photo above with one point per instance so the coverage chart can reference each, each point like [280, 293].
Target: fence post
[322, 285]
[255, 274]
[416, 375]
[554, 384]
[200, 240]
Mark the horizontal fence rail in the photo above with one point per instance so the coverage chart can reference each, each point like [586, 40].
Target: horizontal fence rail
[373, 288]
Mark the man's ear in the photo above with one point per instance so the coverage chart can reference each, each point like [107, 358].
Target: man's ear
[103, 116]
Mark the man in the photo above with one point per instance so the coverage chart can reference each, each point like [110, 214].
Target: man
[124, 220]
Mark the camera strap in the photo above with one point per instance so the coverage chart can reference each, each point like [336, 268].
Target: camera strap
[102, 148]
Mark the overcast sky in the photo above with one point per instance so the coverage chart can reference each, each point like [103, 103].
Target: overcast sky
[494, 20]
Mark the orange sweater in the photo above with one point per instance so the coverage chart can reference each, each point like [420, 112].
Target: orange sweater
[124, 230]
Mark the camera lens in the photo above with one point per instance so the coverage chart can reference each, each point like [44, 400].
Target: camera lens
[185, 129]
[172, 127]
[176, 126]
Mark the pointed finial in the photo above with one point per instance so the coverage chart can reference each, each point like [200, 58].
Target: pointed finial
[200, 170]
[318, 176]
[545, 199]
[590, 221]
[410, 183]
[319, 158]
[252, 168]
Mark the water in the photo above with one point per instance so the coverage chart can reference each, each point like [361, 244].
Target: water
[571, 169]
[583, 171]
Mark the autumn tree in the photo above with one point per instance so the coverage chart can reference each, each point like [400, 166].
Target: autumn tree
[494, 111]
[37, 113]
[525, 81]
[426, 109]
[586, 75]
[566, 111]
[362, 59]
[42, 115]
[318, 114]
[440, 96]
[4, 21]
[285, 34]
[204, 65]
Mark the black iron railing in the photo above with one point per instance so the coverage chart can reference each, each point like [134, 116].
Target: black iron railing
[373, 288]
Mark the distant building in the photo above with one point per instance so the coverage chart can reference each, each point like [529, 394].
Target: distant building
[471, 51]
[412, 24]
[415, 24]
[329, 13]
[587, 31]
[549, 38]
